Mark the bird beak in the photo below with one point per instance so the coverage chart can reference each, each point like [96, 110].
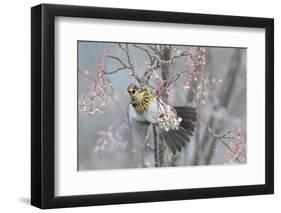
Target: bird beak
[133, 100]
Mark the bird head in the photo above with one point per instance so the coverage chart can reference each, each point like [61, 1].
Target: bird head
[135, 94]
[133, 90]
[140, 96]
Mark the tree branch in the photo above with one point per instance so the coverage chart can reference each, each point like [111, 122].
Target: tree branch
[151, 58]
[154, 49]
[155, 146]
[173, 58]
[124, 66]
[221, 139]
[175, 78]
[119, 60]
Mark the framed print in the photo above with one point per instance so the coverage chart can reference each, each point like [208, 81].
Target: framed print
[140, 106]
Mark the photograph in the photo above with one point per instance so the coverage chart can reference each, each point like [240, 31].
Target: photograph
[160, 105]
[132, 105]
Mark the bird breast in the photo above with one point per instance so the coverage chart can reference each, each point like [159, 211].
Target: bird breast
[151, 114]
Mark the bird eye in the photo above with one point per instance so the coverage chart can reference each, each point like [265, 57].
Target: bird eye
[133, 91]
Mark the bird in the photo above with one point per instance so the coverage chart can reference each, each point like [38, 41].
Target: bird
[176, 124]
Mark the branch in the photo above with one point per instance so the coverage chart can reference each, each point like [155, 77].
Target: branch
[183, 53]
[123, 48]
[175, 78]
[151, 58]
[223, 100]
[166, 47]
[221, 139]
[154, 49]
[156, 163]
[131, 66]
[124, 66]
[115, 71]
[237, 156]
[173, 58]
[119, 60]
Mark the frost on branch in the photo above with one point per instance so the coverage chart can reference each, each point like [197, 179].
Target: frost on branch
[168, 118]
[200, 84]
[234, 141]
[238, 148]
[95, 99]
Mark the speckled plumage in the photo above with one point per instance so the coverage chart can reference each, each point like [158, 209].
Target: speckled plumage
[144, 103]
[143, 111]
[143, 100]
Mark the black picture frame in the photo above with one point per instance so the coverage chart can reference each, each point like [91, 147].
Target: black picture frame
[43, 105]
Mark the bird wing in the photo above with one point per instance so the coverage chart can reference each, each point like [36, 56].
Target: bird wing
[176, 140]
[189, 117]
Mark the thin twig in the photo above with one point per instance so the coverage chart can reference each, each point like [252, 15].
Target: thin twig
[119, 60]
[173, 58]
[237, 156]
[124, 66]
[152, 48]
[115, 71]
[221, 139]
[151, 58]
[155, 146]
[175, 77]
[164, 48]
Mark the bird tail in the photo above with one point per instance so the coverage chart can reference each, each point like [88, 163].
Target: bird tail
[176, 140]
